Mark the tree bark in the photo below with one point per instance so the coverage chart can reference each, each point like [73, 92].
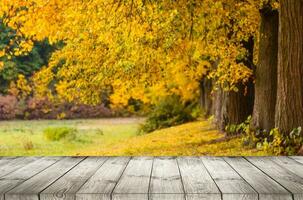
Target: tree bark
[202, 94]
[208, 97]
[232, 107]
[205, 95]
[237, 106]
[266, 71]
[289, 106]
[217, 108]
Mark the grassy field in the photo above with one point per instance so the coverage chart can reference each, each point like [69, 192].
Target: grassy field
[117, 137]
[190, 139]
[26, 137]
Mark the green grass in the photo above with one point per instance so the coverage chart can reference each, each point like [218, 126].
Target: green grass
[117, 137]
[190, 139]
[26, 137]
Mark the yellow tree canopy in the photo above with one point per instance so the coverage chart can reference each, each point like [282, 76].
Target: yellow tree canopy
[138, 47]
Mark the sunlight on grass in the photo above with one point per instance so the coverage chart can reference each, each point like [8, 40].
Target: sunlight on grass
[117, 137]
[196, 138]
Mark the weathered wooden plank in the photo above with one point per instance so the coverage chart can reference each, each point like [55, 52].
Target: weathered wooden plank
[67, 186]
[30, 189]
[297, 158]
[15, 178]
[201, 197]
[287, 179]
[230, 183]
[197, 183]
[7, 157]
[6, 185]
[134, 183]
[289, 164]
[264, 185]
[4, 160]
[92, 196]
[167, 196]
[166, 180]
[14, 164]
[103, 182]
[292, 165]
[130, 197]
[32, 168]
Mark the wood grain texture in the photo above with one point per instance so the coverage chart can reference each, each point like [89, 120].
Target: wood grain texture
[167, 196]
[230, 183]
[6, 185]
[263, 184]
[14, 164]
[66, 187]
[297, 158]
[30, 189]
[134, 183]
[32, 168]
[15, 178]
[103, 182]
[4, 160]
[289, 164]
[166, 182]
[151, 178]
[196, 180]
[286, 178]
[293, 165]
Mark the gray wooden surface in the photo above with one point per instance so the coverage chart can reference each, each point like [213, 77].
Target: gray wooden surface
[151, 178]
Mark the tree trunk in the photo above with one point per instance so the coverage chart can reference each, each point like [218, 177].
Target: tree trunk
[205, 96]
[202, 94]
[289, 106]
[217, 108]
[237, 106]
[266, 71]
[232, 107]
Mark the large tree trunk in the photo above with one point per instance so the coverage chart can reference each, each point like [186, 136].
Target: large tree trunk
[266, 71]
[289, 107]
[205, 95]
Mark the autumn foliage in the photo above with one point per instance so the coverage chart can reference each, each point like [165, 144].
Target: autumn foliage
[114, 51]
[136, 47]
